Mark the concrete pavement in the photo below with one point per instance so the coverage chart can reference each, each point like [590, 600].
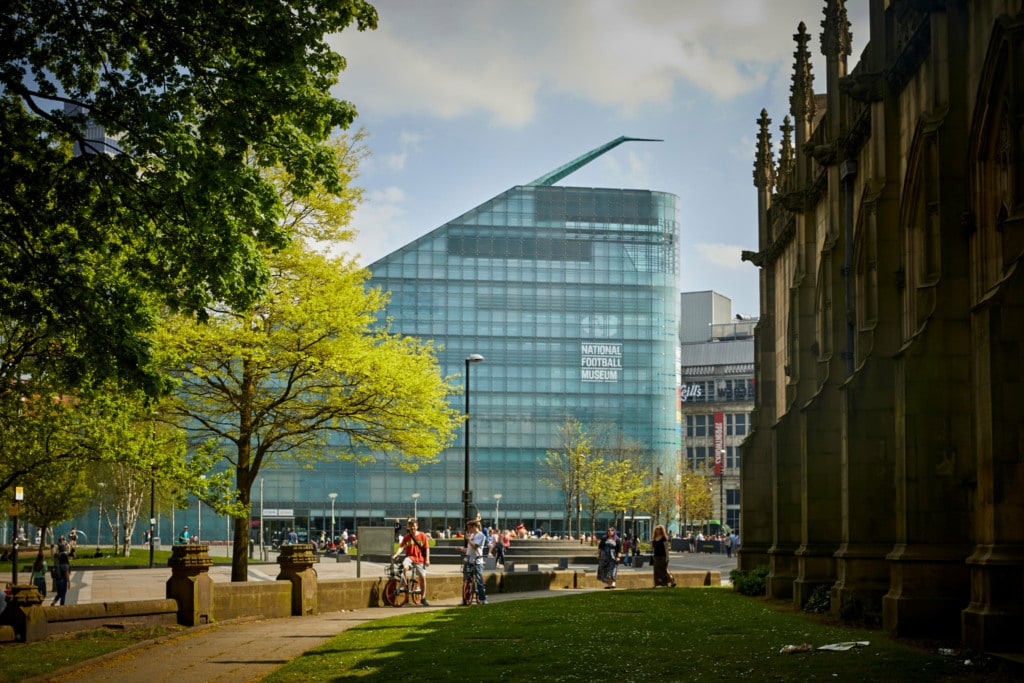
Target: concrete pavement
[248, 650]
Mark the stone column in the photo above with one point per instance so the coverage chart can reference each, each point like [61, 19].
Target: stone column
[297, 566]
[24, 613]
[190, 584]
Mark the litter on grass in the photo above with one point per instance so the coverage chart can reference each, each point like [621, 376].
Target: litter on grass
[843, 647]
[834, 647]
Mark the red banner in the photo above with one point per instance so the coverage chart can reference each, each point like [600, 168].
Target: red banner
[719, 443]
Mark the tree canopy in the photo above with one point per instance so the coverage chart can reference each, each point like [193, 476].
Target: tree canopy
[168, 207]
[309, 372]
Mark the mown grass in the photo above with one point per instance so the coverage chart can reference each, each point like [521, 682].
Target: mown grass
[647, 635]
[19, 661]
[138, 557]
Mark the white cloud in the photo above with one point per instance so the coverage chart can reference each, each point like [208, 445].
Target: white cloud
[721, 255]
[498, 59]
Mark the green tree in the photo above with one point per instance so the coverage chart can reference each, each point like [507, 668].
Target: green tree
[309, 372]
[197, 98]
[601, 486]
[53, 493]
[562, 467]
[694, 494]
[142, 454]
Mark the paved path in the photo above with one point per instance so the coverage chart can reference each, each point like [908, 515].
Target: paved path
[248, 650]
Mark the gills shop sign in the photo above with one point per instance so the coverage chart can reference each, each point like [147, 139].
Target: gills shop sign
[600, 362]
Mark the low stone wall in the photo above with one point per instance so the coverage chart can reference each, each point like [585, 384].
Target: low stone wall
[263, 599]
[69, 618]
[193, 598]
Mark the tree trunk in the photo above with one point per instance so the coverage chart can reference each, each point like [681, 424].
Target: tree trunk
[240, 550]
[240, 547]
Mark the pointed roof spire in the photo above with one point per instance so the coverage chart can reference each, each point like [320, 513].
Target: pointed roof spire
[836, 38]
[786, 159]
[581, 161]
[801, 101]
[764, 159]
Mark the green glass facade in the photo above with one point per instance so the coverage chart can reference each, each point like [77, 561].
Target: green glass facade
[570, 295]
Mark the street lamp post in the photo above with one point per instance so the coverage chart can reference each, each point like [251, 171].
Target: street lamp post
[497, 500]
[467, 495]
[152, 513]
[99, 518]
[332, 496]
[721, 502]
[199, 512]
[415, 499]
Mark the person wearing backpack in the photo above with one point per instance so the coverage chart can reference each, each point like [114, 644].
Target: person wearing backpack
[416, 547]
[61, 573]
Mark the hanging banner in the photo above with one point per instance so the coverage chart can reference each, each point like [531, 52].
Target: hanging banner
[719, 443]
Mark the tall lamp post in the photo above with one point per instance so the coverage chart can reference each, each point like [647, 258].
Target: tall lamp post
[332, 496]
[415, 499]
[99, 518]
[467, 495]
[721, 502]
[497, 500]
[152, 513]
[199, 511]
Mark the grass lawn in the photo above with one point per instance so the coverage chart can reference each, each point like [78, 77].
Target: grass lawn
[646, 635]
[19, 661]
[139, 557]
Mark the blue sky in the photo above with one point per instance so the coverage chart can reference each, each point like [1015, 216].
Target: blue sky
[465, 99]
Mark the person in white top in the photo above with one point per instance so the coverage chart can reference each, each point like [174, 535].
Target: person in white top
[473, 550]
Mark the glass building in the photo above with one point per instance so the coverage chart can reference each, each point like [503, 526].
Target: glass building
[570, 294]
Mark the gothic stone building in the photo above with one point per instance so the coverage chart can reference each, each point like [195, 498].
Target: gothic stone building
[886, 459]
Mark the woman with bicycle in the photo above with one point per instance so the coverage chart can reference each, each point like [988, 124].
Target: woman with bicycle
[416, 547]
[473, 551]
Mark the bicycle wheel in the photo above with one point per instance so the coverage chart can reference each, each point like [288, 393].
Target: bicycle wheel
[392, 592]
[469, 596]
[416, 590]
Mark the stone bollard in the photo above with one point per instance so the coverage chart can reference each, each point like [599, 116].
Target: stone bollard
[297, 566]
[24, 613]
[190, 584]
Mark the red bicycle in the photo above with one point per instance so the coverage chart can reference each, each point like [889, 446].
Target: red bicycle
[400, 589]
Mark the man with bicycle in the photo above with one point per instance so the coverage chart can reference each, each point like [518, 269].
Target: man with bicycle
[475, 540]
[416, 547]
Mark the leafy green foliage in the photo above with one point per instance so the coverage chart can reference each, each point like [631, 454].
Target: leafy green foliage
[198, 98]
[751, 582]
[820, 600]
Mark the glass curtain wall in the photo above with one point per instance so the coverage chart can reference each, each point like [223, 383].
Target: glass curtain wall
[571, 296]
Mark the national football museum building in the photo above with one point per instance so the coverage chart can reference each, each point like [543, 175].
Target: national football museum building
[551, 303]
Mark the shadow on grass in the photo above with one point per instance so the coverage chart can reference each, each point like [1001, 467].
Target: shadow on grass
[645, 635]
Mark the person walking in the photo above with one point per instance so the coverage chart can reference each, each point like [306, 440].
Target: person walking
[474, 552]
[502, 546]
[61, 578]
[184, 537]
[609, 553]
[39, 575]
[659, 541]
[416, 547]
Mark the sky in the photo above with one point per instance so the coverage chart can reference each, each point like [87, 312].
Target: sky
[464, 99]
